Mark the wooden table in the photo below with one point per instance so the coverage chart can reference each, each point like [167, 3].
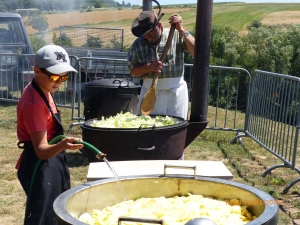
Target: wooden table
[214, 169]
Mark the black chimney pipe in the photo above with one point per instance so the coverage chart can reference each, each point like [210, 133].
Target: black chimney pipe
[200, 80]
[147, 5]
[198, 117]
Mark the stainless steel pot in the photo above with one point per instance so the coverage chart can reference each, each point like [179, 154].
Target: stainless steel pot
[102, 193]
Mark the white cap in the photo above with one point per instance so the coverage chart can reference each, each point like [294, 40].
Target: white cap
[54, 59]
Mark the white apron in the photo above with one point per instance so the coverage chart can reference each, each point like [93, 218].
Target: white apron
[171, 97]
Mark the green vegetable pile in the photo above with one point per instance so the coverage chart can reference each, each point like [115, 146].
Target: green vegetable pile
[128, 120]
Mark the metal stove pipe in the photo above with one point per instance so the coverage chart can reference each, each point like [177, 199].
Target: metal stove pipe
[147, 5]
[201, 61]
[198, 117]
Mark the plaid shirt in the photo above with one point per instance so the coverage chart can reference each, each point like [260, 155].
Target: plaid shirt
[143, 52]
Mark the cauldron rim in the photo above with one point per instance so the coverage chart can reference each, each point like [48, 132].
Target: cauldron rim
[181, 123]
[112, 83]
[270, 210]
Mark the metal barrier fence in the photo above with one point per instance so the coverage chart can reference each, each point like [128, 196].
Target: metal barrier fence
[81, 36]
[228, 91]
[273, 119]
[90, 69]
[227, 97]
[223, 100]
[15, 72]
[271, 104]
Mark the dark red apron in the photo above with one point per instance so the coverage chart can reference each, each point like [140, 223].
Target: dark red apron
[51, 179]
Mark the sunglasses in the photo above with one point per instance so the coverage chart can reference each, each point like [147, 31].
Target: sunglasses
[54, 77]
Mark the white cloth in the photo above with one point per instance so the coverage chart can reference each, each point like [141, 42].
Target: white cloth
[171, 97]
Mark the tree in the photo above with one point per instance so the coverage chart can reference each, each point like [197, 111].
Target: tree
[36, 41]
[3, 8]
[98, 4]
[115, 43]
[62, 40]
[94, 42]
[255, 24]
[29, 4]
[292, 39]
[38, 22]
[267, 50]
[225, 46]
[12, 4]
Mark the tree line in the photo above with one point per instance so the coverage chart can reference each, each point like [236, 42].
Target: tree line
[273, 48]
[61, 5]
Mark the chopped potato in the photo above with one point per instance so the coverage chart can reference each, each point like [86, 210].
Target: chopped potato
[174, 211]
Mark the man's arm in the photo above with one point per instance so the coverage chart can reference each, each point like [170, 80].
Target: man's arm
[189, 40]
[140, 69]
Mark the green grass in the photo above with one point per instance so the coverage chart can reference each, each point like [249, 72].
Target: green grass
[239, 16]
[235, 15]
[246, 162]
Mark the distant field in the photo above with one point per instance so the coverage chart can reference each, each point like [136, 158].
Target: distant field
[105, 19]
[235, 15]
[239, 16]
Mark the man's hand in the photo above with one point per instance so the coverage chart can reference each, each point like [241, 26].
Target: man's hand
[177, 20]
[156, 66]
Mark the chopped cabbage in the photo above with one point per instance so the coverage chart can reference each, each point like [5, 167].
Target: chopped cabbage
[129, 120]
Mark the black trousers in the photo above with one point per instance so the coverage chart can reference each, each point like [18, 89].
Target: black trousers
[51, 179]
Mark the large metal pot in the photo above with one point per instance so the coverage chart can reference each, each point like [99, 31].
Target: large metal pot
[152, 143]
[102, 193]
[107, 97]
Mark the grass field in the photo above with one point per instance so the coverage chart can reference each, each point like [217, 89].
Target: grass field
[246, 162]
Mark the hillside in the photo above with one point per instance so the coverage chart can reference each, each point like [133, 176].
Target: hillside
[235, 15]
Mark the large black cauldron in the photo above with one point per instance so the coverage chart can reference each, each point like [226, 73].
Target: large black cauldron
[107, 97]
[152, 143]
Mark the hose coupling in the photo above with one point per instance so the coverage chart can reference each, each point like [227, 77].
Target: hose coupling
[100, 156]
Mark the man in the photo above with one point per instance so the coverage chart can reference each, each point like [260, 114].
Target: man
[143, 61]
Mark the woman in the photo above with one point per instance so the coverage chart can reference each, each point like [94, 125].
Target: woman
[42, 168]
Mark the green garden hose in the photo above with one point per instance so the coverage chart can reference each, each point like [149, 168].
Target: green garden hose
[99, 155]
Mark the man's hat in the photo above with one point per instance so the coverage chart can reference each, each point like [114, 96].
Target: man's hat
[143, 24]
[54, 59]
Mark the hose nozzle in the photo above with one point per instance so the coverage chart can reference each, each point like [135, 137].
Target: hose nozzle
[100, 156]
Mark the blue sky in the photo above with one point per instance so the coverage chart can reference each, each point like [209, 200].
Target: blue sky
[169, 2]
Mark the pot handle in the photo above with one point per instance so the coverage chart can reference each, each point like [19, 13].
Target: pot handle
[142, 220]
[180, 167]
[147, 149]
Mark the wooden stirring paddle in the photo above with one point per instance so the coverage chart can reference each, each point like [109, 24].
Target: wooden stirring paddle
[149, 98]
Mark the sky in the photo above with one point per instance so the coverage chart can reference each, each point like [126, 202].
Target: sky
[169, 2]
